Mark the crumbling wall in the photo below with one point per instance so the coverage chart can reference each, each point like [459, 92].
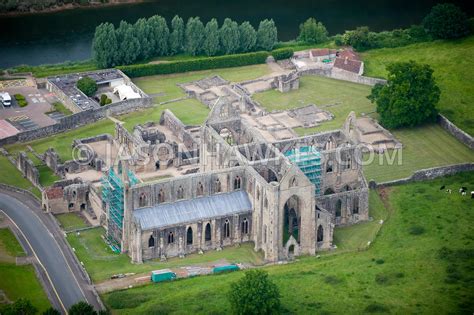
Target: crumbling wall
[28, 169]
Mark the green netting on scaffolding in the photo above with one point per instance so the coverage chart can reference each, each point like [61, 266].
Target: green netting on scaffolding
[308, 159]
[113, 195]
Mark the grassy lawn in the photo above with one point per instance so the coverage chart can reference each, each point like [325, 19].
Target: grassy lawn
[101, 262]
[10, 175]
[414, 266]
[47, 177]
[335, 96]
[423, 147]
[71, 221]
[18, 281]
[452, 62]
[164, 86]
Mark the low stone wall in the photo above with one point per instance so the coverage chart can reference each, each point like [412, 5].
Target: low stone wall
[343, 75]
[427, 174]
[457, 132]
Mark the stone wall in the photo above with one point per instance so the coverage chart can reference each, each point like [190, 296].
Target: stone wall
[457, 132]
[28, 169]
[344, 75]
[427, 174]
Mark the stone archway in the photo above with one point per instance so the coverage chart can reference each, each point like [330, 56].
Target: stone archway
[292, 220]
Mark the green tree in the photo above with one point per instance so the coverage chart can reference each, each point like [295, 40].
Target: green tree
[176, 44]
[143, 33]
[211, 38]
[194, 36]
[128, 45]
[358, 38]
[254, 294]
[267, 35]
[446, 21]
[410, 96]
[229, 36]
[160, 32]
[19, 307]
[82, 308]
[313, 32]
[104, 45]
[51, 311]
[248, 37]
[87, 85]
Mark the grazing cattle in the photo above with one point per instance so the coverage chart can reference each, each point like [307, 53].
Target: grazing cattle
[463, 193]
[442, 187]
[448, 191]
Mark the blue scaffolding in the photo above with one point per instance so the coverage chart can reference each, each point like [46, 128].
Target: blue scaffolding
[308, 159]
[113, 195]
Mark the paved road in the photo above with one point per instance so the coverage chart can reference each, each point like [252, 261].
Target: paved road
[44, 237]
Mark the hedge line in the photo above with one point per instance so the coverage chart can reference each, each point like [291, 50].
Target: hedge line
[227, 61]
[282, 53]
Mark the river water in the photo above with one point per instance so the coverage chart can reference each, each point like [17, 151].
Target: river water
[57, 37]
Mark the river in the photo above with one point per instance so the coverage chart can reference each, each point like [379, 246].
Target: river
[66, 35]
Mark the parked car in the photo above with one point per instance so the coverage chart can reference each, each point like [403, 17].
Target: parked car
[5, 99]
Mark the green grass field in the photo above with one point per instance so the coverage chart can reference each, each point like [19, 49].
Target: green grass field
[71, 221]
[10, 175]
[164, 87]
[452, 62]
[420, 262]
[101, 263]
[18, 281]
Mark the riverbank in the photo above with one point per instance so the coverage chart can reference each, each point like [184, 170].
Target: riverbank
[70, 6]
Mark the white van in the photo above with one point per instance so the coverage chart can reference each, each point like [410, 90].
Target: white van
[6, 99]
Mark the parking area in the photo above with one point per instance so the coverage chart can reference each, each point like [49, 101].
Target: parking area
[34, 115]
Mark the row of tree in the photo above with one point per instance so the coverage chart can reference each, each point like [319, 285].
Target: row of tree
[152, 37]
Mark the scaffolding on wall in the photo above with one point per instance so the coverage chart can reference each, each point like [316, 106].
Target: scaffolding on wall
[308, 159]
[113, 195]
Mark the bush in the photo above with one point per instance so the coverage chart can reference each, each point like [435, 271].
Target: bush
[282, 53]
[104, 100]
[87, 85]
[21, 100]
[313, 32]
[236, 60]
[446, 21]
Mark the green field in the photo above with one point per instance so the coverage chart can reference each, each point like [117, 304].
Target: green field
[71, 221]
[18, 281]
[452, 62]
[101, 263]
[10, 175]
[421, 262]
[164, 88]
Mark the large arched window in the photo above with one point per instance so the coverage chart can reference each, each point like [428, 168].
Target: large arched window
[170, 238]
[237, 182]
[189, 236]
[207, 233]
[338, 208]
[180, 193]
[320, 234]
[355, 205]
[151, 241]
[217, 185]
[245, 226]
[226, 228]
[200, 189]
[142, 200]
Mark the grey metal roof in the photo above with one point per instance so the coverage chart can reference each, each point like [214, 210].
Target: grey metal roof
[192, 210]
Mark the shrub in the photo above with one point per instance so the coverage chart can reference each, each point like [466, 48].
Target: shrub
[255, 293]
[87, 85]
[379, 261]
[282, 53]
[446, 21]
[313, 32]
[20, 100]
[236, 60]
[104, 100]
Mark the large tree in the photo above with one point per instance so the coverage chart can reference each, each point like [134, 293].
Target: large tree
[160, 32]
[358, 38]
[194, 36]
[176, 38]
[211, 38]
[229, 36]
[128, 45]
[446, 21]
[255, 293]
[313, 32]
[104, 45]
[21, 306]
[267, 35]
[82, 308]
[410, 96]
[248, 37]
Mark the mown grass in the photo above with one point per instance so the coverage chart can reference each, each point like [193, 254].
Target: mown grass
[71, 221]
[401, 273]
[42, 71]
[164, 87]
[101, 262]
[18, 281]
[452, 62]
[10, 175]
